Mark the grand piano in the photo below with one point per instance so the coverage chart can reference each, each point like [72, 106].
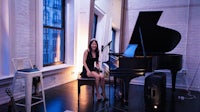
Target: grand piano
[153, 42]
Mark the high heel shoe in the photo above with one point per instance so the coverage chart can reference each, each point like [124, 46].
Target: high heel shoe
[104, 96]
[98, 99]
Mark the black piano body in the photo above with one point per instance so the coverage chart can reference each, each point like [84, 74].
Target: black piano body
[153, 44]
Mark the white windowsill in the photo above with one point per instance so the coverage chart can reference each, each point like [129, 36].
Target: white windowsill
[44, 69]
[55, 67]
[6, 77]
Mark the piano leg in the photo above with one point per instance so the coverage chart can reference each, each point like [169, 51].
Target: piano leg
[173, 73]
[125, 89]
[119, 87]
[115, 83]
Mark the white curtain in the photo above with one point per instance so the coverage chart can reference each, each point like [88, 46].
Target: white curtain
[4, 38]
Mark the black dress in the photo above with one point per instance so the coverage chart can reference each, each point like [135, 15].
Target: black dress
[90, 63]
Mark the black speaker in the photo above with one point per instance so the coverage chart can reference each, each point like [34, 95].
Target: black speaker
[155, 92]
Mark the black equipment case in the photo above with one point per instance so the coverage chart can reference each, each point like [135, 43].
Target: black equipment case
[155, 91]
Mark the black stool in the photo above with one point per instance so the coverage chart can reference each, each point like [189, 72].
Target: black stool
[86, 81]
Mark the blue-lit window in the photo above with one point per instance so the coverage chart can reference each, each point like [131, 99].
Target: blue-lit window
[56, 18]
[56, 4]
[113, 40]
[53, 32]
[46, 2]
[46, 17]
[94, 27]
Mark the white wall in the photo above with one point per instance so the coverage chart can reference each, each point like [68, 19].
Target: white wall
[181, 16]
[82, 31]
[4, 38]
[22, 37]
[109, 12]
[192, 49]
[112, 8]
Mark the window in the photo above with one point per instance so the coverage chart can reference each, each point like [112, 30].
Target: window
[56, 4]
[46, 2]
[46, 17]
[53, 32]
[113, 40]
[56, 18]
[94, 27]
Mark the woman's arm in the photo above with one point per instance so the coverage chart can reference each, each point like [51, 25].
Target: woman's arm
[84, 61]
[97, 64]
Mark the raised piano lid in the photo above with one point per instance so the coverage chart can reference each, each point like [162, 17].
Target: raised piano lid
[156, 39]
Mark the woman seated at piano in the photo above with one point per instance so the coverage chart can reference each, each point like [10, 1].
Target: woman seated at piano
[91, 68]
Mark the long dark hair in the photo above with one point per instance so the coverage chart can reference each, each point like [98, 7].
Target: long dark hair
[97, 49]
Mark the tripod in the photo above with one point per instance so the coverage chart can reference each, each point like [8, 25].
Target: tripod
[113, 107]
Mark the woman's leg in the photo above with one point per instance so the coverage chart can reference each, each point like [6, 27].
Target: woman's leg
[97, 81]
[102, 83]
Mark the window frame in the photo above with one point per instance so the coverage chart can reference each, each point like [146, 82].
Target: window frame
[70, 31]
[113, 37]
[94, 26]
[62, 28]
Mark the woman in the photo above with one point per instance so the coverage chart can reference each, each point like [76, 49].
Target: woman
[91, 68]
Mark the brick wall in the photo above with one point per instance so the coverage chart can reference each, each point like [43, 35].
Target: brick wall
[24, 30]
[192, 49]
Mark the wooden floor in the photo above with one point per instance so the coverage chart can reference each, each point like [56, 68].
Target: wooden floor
[64, 98]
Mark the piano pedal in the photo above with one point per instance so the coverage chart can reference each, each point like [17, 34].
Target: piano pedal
[118, 95]
[124, 103]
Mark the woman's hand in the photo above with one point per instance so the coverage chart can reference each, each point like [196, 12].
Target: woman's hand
[97, 70]
[89, 72]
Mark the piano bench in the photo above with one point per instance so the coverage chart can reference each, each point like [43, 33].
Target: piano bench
[86, 81]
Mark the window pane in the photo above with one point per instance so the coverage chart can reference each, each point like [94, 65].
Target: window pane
[53, 46]
[94, 27]
[53, 32]
[52, 13]
[113, 40]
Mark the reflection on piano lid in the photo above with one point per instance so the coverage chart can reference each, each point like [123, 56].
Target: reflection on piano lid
[130, 50]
